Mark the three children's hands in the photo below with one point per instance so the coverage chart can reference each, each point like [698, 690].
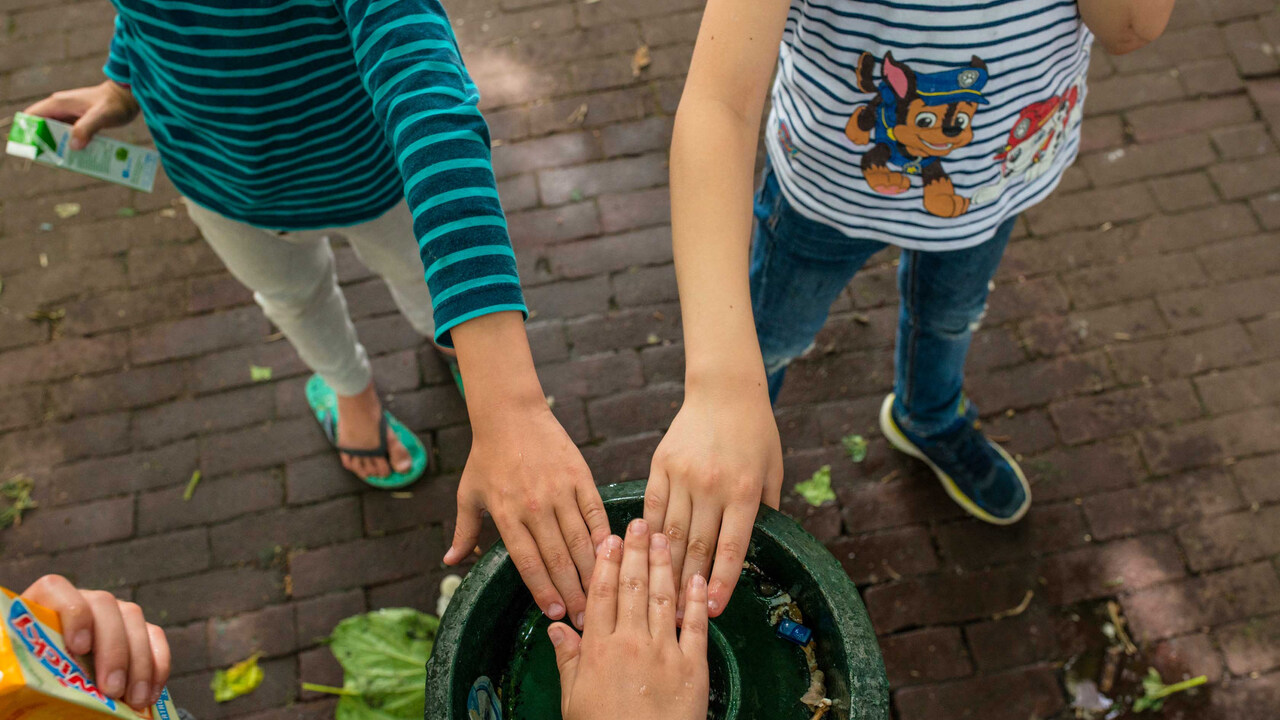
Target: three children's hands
[719, 461]
[628, 662]
[89, 109]
[130, 656]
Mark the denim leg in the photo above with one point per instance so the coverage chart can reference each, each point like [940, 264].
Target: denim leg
[943, 298]
[798, 269]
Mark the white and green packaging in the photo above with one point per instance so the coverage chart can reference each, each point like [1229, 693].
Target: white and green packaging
[48, 142]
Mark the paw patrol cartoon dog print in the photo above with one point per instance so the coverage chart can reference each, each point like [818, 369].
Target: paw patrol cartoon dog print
[1039, 132]
[914, 121]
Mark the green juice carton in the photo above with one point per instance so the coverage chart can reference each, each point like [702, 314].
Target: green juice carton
[48, 142]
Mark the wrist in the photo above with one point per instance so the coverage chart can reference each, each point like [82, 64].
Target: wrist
[497, 368]
[730, 378]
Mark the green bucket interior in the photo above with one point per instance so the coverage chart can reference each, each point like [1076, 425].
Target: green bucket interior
[493, 629]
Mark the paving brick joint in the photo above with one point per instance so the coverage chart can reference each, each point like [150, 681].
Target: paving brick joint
[1131, 358]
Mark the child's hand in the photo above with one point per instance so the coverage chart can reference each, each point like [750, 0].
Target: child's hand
[524, 470]
[90, 109]
[719, 461]
[129, 654]
[628, 662]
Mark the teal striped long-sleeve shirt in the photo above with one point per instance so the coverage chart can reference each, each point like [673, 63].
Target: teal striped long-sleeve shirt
[305, 114]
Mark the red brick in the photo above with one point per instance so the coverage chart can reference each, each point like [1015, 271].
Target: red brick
[569, 298]
[431, 501]
[1116, 413]
[16, 331]
[192, 653]
[887, 555]
[533, 228]
[198, 335]
[115, 565]
[214, 593]
[1141, 277]
[818, 376]
[268, 631]
[1242, 141]
[254, 537]
[562, 185]
[278, 689]
[1252, 646]
[1036, 383]
[21, 408]
[319, 666]
[1186, 657]
[388, 333]
[646, 286]
[1206, 441]
[1216, 76]
[1259, 478]
[1246, 699]
[1233, 539]
[1181, 355]
[626, 328]
[318, 478]
[105, 477]
[261, 446]
[166, 263]
[1013, 695]
[1128, 91]
[230, 369]
[598, 13]
[1267, 208]
[607, 254]
[947, 597]
[1244, 178]
[62, 528]
[1204, 601]
[316, 617]
[1168, 233]
[973, 545]
[429, 408]
[554, 151]
[925, 656]
[1051, 335]
[640, 208]
[215, 500]
[217, 292]
[125, 309]
[365, 562]
[1240, 388]
[518, 193]
[603, 108]
[615, 461]
[1017, 300]
[1158, 122]
[1253, 55]
[1183, 192]
[129, 389]
[1101, 133]
[1163, 157]
[1238, 259]
[62, 358]
[212, 413]
[1107, 569]
[631, 413]
[1034, 636]
[1161, 504]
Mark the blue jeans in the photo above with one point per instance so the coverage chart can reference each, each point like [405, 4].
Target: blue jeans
[800, 266]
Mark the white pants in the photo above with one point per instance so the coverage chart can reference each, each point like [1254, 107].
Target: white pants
[294, 278]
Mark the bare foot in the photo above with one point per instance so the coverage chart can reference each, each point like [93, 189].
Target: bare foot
[359, 417]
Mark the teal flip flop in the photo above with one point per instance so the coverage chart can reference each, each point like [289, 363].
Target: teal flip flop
[457, 375]
[324, 403]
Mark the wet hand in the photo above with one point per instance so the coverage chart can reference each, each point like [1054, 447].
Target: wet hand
[628, 662]
[130, 656]
[89, 109]
[719, 461]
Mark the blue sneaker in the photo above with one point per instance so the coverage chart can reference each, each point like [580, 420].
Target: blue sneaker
[977, 473]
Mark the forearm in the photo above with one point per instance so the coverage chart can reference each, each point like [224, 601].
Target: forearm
[1123, 26]
[712, 168]
[497, 366]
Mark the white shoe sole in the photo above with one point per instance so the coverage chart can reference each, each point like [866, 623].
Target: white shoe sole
[900, 442]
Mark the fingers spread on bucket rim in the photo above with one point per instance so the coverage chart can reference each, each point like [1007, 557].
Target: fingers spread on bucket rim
[559, 565]
[602, 596]
[693, 634]
[662, 589]
[568, 645]
[528, 562]
[704, 530]
[731, 552]
[582, 552]
[466, 532]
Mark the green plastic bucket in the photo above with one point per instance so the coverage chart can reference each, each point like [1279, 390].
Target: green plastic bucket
[493, 630]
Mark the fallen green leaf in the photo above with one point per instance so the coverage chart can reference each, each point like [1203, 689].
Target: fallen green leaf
[126, 212]
[191, 486]
[575, 195]
[66, 210]
[17, 490]
[240, 679]
[257, 373]
[1155, 692]
[817, 489]
[383, 656]
[856, 446]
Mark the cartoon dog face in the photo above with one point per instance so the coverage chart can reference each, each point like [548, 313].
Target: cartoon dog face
[925, 129]
[936, 130]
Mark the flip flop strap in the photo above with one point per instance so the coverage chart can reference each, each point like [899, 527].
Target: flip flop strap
[382, 451]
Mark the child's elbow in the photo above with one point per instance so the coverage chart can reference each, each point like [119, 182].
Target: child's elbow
[1141, 30]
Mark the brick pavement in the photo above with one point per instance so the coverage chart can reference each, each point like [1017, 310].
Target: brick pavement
[1131, 358]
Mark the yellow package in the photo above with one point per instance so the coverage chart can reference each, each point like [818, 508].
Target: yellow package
[40, 680]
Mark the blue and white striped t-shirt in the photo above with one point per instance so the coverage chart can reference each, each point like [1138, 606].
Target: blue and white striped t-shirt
[926, 125]
[306, 114]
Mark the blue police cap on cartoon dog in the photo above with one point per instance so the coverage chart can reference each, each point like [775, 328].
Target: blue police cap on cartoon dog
[955, 85]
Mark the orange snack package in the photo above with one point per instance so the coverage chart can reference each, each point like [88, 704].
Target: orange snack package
[40, 680]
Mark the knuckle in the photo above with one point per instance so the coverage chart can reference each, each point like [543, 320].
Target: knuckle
[655, 502]
[732, 548]
[633, 583]
[675, 533]
[661, 599]
[558, 562]
[697, 626]
[130, 610]
[699, 547]
[527, 564]
[604, 589]
[580, 544]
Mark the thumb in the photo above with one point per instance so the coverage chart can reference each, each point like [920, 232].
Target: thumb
[93, 120]
[466, 533]
[568, 647]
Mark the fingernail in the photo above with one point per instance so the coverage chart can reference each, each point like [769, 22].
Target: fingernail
[83, 642]
[680, 613]
[658, 541]
[598, 546]
[556, 635]
[614, 542]
[141, 691]
[639, 526]
[713, 606]
[580, 620]
[699, 583]
[115, 684]
[556, 611]
[451, 557]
